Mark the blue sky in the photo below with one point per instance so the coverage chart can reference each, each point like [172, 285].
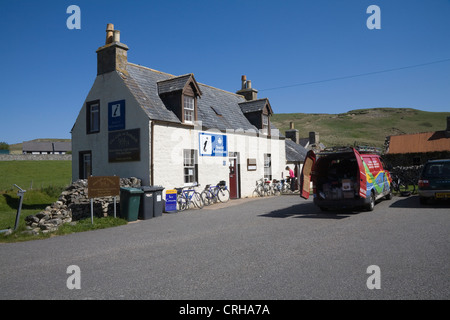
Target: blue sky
[290, 50]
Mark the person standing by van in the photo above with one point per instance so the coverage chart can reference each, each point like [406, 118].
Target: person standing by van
[291, 178]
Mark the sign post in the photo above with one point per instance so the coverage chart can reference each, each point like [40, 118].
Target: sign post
[103, 187]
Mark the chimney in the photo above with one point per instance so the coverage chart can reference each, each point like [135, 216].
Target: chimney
[113, 55]
[313, 138]
[292, 133]
[246, 89]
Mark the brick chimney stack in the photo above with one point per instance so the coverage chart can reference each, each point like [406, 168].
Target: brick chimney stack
[113, 55]
[292, 133]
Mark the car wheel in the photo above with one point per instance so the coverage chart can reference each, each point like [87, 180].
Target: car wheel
[371, 204]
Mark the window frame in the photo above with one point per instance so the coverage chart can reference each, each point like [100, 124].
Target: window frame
[268, 166]
[189, 108]
[90, 118]
[190, 162]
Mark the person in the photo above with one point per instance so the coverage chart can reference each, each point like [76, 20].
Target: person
[291, 178]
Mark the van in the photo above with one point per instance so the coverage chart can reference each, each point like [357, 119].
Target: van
[345, 177]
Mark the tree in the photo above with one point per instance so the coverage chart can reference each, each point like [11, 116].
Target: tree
[4, 146]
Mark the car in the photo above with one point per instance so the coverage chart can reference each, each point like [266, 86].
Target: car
[434, 181]
[345, 177]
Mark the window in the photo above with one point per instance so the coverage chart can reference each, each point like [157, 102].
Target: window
[85, 164]
[189, 109]
[93, 117]
[265, 124]
[267, 166]
[190, 166]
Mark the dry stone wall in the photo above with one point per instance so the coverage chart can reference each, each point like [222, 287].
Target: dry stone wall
[73, 204]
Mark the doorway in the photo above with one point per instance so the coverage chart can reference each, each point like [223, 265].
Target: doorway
[235, 178]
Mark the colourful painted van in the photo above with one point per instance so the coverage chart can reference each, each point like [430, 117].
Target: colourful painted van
[345, 178]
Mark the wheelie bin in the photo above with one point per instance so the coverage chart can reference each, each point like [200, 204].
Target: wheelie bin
[130, 199]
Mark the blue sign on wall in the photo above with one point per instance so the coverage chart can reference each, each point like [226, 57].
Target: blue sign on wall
[116, 115]
[214, 145]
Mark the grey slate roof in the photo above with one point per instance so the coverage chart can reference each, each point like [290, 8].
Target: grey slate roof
[294, 152]
[46, 146]
[216, 108]
[173, 84]
[254, 105]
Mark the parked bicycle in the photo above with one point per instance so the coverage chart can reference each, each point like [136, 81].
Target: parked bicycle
[212, 194]
[187, 196]
[402, 184]
[259, 188]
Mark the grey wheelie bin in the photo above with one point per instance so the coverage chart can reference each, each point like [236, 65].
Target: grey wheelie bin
[130, 199]
[151, 202]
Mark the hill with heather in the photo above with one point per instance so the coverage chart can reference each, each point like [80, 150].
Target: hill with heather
[362, 126]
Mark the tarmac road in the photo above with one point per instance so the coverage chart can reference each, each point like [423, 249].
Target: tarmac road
[268, 248]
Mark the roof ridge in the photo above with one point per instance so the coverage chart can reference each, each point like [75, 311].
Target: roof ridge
[174, 76]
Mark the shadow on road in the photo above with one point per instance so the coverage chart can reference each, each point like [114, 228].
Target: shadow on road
[309, 211]
[413, 202]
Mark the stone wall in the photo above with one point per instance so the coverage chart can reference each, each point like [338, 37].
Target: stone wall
[36, 157]
[73, 204]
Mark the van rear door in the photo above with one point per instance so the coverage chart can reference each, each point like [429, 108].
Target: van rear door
[305, 176]
[361, 175]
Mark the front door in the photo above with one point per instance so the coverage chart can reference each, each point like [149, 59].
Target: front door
[234, 175]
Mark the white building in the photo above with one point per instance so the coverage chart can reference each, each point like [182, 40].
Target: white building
[171, 130]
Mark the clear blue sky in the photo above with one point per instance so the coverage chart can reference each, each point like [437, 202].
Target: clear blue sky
[291, 50]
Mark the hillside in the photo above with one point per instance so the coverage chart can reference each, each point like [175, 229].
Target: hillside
[362, 126]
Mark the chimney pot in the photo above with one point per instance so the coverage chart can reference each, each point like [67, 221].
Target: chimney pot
[116, 36]
[109, 33]
[291, 125]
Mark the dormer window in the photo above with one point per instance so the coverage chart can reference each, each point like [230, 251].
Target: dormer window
[179, 94]
[258, 112]
[265, 122]
[189, 109]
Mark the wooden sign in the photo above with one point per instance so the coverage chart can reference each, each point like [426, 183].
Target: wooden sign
[103, 187]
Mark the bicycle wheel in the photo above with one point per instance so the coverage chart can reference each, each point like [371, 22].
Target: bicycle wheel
[181, 203]
[206, 197]
[197, 200]
[403, 188]
[223, 195]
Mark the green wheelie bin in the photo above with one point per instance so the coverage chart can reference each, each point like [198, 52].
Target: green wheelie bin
[130, 199]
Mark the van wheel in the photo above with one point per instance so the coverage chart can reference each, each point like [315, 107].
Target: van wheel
[371, 205]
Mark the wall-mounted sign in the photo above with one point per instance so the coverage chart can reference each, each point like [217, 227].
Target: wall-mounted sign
[124, 146]
[251, 164]
[116, 115]
[214, 145]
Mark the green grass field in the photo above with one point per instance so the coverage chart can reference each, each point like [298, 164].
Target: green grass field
[34, 174]
[47, 179]
[42, 180]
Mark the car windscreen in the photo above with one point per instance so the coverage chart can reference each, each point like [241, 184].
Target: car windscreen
[437, 170]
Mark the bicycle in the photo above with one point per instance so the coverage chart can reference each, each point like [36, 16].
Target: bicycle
[208, 196]
[215, 193]
[187, 196]
[402, 185]
[276, 187]
[267, 187]
[285, 187]
[259, 189]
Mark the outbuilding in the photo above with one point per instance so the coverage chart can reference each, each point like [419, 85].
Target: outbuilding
[172, 131]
